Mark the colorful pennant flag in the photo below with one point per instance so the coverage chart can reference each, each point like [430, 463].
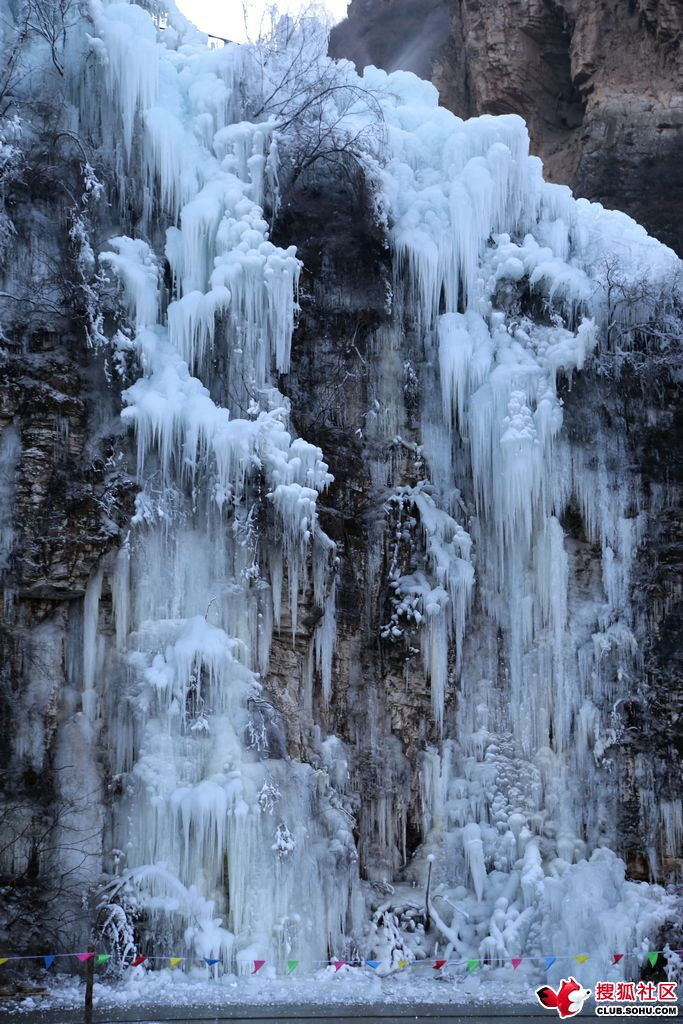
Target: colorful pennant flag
[653, 958]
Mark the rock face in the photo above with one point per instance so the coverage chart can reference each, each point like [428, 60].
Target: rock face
[343, 341]
[65, 493]
[651, 731]
[599, 84]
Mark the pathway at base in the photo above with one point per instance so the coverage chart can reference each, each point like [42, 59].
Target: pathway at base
[295, 1015]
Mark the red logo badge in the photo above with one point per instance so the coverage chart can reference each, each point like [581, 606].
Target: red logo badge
[568, 1000]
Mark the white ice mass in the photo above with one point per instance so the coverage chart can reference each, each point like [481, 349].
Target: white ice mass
[232, 848]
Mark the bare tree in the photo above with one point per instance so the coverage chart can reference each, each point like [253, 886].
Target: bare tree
[643, 319]
[640, 307]
[48, 850]
[51, 20]
[319, 113]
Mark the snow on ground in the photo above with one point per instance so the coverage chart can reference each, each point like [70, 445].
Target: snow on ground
[351, 985]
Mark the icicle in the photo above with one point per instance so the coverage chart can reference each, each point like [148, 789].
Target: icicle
[671, 818]
[474, 857]
[132, 65]
[325, 638]
[91, 608]
[136, 266]
[10, 452]
[170, 160]
[120, 594]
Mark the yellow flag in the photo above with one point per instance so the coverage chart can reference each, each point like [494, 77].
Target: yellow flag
[3, 960]
[175, 960]
[581, 958]
[402, 964]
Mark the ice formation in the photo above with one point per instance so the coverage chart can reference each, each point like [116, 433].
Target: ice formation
[513, 802]
[237, 851]
[217, 827]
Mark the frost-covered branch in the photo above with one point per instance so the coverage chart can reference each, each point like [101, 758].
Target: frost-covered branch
[46, 855]
[51, 19]
[318, 111]
[450, 934]
[644, 321]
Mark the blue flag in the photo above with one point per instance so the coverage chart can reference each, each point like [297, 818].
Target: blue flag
[373, 963]
[549, 961]
[211, 962]
[48, 960]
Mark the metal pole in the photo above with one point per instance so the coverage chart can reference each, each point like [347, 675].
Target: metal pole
[89, 981]
[430, 860]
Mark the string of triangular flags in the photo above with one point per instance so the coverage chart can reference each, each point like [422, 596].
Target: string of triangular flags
[438, 965]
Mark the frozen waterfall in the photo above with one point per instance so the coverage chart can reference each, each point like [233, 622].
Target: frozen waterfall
[234, 840]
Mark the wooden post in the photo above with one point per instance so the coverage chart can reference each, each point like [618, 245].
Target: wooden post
[89, 981]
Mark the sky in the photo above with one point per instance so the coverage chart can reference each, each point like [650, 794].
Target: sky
[225, 17]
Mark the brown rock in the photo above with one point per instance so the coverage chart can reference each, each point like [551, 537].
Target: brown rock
[599, 84]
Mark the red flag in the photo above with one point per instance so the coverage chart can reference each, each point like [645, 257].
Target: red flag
[338, 964]
[438, 964]
[516, 961]
[138, 960]
[84, 956]
[616, 957]
[258, 964]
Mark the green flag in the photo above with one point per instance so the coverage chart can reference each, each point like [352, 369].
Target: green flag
[472, 965]
[103, 958]
[292, 965]
[652, 957]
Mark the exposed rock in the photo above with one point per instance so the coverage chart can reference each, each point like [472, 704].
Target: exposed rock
[342, 376]
[65, 494]
[599, 84]
[642, 412]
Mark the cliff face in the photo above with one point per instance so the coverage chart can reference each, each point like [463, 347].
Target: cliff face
[65, 493]
[598, 83]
